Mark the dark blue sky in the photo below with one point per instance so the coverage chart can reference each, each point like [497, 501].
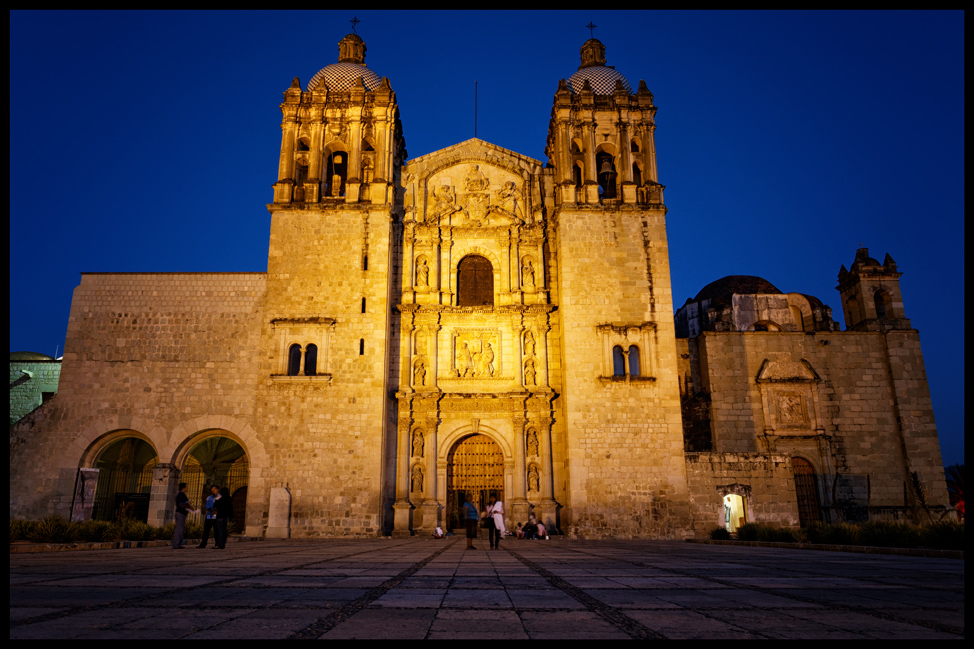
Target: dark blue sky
[150, 141]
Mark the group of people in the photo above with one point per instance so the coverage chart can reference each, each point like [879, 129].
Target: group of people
[493, 520]
[219, 512]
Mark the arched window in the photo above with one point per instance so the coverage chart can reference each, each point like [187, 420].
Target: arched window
[852, 308]
[303, 144]
[882, 304]
[475, 282]
[796, 315]
[577, 167]
[311, 360]
[807, 493]
[337, 173]
[618, 361]
[294, 360]
[302, 173]
[606, 174]
[637, 175]
[366, 145]
[634, 368]
[634, 146]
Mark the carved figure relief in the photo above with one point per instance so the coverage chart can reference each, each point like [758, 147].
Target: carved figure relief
[511, 200]
[444, 203]
[527, 272]
[529, 344]
[422, 273]
[791, 409]
[367, 171]
[417, 478]
[533, 442]
[530, 373]
[419, 371]
[418, 443]
[474, 355]
[534, 480]
[476, 181]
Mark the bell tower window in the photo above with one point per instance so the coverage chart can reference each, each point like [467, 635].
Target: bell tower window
[337, 174]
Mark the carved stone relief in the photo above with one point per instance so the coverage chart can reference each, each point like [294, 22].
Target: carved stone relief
[418, 443]
[527, 272]
[417, 478]
[474, 353]
[533, 442]
[419, 371]
[534, 479]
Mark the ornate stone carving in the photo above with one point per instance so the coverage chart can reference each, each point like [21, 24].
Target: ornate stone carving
[534, 480]
[530, 373]
[419, 371]
[417, 478]
[474, 354]
[529, 344]
[533, 442]
[422, 273]
[527, 272]
[444, 203]
[510, 200]
[418, 443]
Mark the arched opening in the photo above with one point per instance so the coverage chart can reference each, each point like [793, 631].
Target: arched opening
[475, 468]
[304, 144]
[336, 174]
[883, 304]
[618, 361]
[634, 369]
[766, 325]
[634, 145]
[607, 174]
[124, 480]
[808, 508]
[577, 170]
[637, 174]
[294, 360]
[311, 360]
[217, 461]
[796, 316]
[852, 312]
[475, 281]
[735, 513]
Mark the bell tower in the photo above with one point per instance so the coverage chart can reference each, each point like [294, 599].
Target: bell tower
[611, 262]
[332, 268]
[871, 299]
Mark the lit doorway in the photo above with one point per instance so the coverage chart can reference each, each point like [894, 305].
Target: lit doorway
[735, 513]
[475, 469]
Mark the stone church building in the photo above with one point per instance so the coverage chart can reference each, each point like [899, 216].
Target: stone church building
[475, 321]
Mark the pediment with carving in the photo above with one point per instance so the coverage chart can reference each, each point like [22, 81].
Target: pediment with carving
[787, 371]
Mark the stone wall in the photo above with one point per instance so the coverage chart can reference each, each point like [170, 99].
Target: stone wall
[33, 379]
[765, 481]
[160, 356]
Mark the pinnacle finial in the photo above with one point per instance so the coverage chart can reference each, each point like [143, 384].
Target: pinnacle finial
[355, 21]
[591, 29]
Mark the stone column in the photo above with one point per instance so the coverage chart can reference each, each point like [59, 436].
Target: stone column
[162, 494]
[651, 154]
[402, 507]
[548, 507]
[430, 505]
[519, 505]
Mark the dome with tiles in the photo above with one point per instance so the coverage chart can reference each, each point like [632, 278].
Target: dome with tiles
[601, 77]
[342, 76]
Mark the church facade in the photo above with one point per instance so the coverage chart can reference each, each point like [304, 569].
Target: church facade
[477, 322]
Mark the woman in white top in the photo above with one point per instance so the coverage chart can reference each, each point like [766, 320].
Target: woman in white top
[495, 510]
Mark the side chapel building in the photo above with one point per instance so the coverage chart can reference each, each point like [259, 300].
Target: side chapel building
[478, 321]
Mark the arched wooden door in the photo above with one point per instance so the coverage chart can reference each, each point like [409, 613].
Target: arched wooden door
[475, 466]
[805, 489]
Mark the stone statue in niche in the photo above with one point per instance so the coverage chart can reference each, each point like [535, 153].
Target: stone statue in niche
[419, 371]
[529, 344]
[418, 443]
[422, 273]
[533, 442]
[534, 481]
[417, 478]
[527, 273]
[367, 171]
[421, 340]
[530, 373]
[511, 200]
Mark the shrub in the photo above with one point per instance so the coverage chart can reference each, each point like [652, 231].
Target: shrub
[94, 531]
[835, 534]
[720, 534]
[192, 531]
[166, 532]
[53, 529]
[800, 535]
[20, 530]
[889, 534]
[943, 535]
[136, 531]
[748, 532]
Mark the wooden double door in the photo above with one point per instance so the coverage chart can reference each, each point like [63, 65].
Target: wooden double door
[475, 469]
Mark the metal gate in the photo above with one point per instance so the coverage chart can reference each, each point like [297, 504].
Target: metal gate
[233, 476]
[475, 468]
[805, 488]
[116, 481]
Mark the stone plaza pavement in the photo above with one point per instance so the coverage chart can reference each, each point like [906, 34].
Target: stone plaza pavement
[424, 588]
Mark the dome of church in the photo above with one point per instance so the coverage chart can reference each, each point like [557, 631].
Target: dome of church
[593, 69]
[30, 356]
[600, 77]
[342, 76]
[736, 284]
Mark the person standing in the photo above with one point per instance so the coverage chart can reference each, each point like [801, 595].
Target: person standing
[210, 521]
[496, 531]
[471, 520]
[182, 509]
[224, 513]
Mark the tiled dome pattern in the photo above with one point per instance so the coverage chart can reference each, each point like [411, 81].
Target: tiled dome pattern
[342, 76]
[602, 79]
